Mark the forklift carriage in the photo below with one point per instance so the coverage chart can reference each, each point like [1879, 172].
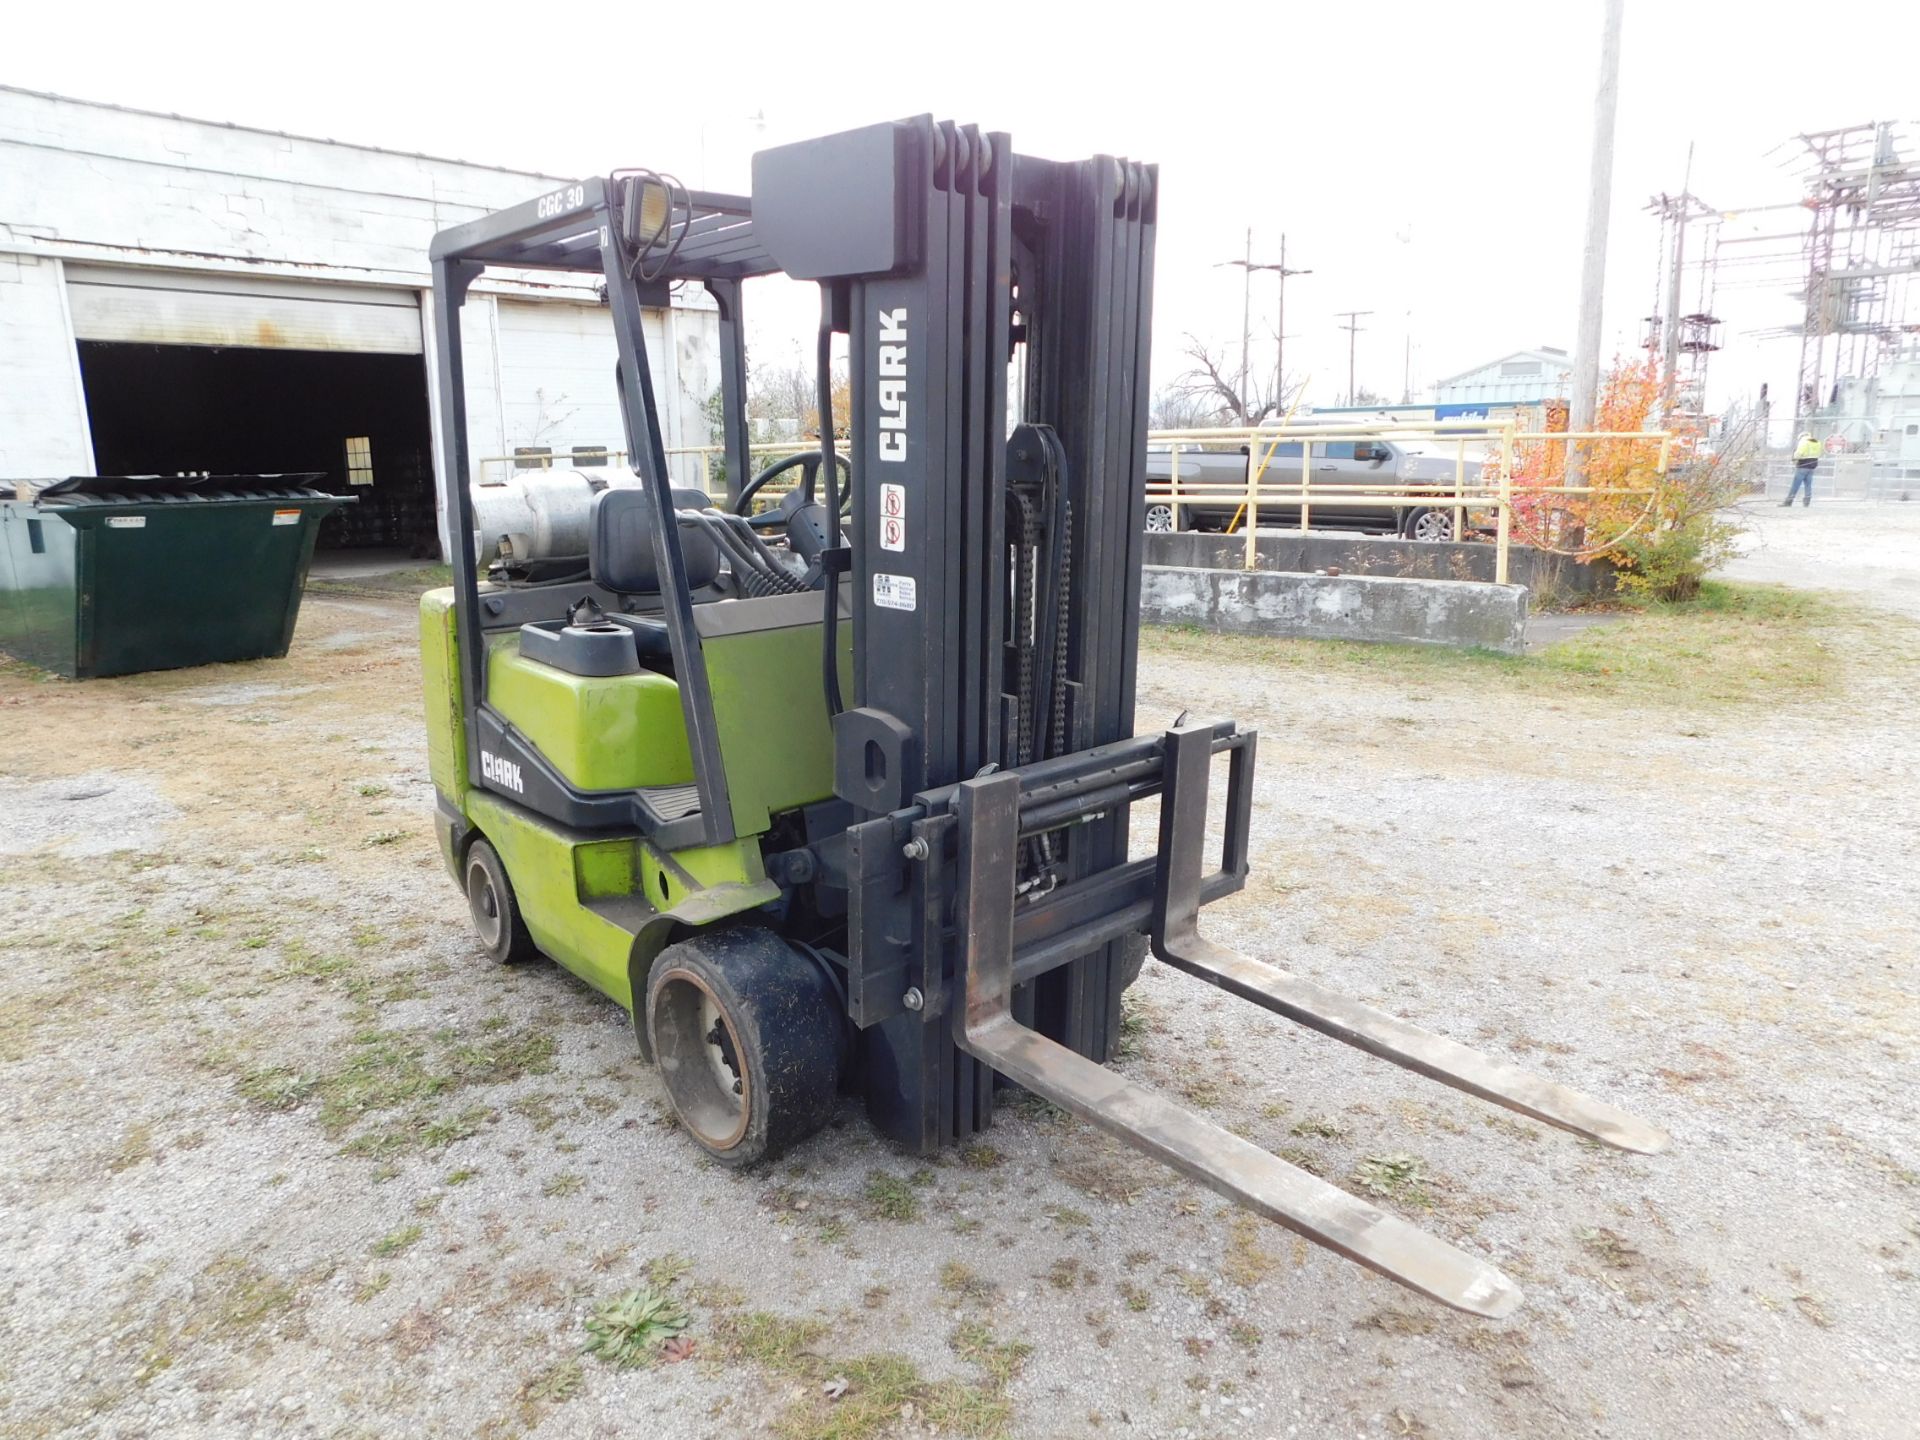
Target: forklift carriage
[833, 792]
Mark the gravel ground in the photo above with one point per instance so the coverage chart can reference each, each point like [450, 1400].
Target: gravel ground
[280, 1157]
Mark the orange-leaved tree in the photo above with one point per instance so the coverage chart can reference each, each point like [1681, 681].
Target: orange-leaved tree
[1663, 529]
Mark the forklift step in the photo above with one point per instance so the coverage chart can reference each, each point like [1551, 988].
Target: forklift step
[1241, 1171]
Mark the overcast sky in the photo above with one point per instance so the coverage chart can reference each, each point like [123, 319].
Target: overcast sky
[1422, 160]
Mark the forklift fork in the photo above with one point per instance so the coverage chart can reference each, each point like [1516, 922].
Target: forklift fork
[988, 811]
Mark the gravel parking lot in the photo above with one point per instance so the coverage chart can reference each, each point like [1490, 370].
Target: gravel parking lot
[279, 1156]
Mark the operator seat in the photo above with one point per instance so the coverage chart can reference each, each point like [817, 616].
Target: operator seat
[620, 555]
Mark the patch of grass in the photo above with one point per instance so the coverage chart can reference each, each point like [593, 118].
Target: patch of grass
[297, 959]
[372, 789]
[1247, 1262]
[1072, 1219]
[1316, 1128]
[891, 1198]
[1398, 1176]
[239, 1298]
[373, 1285]
[981, 1157]
[1609, 1247]
[384, 837]
[391, 1070]
[276, 1088]
[631, 1329]
[560, 1186]
[559, 1382]
[1000, 1361]
[398, 1242]
[962, 1280]
[1202, 1091]
[1137, 1018]
[862, 1397]
[1735, 644]
[666, 1270]
[1398, 1322]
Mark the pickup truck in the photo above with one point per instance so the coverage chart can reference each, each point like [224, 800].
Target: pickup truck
[1358, 465]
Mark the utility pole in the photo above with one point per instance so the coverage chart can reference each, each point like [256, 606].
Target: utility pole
[1593, 260]
[1679, 209]
[1280, 324]
[1246, 315]
[1670, 352]
[1353, 327]
[1406, 374]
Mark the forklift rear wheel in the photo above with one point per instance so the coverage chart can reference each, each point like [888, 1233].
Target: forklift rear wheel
[749, 1036]
[496, 913]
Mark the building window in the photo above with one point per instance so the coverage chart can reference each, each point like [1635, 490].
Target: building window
[589, 455]
[359, 460]
[533, 457]
[1519, 367]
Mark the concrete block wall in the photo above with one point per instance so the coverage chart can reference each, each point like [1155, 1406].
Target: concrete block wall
[1337, 607]
[1542, 573]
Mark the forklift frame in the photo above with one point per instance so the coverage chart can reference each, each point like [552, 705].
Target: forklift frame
[991, 910]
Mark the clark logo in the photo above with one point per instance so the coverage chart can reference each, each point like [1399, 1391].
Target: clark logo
[503, 773]
[893, 384]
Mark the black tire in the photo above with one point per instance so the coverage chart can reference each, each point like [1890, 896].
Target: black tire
[494, 907]
[749, 1037]
[1429, 523]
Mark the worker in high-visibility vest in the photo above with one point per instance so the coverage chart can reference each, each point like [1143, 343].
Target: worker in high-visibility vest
[1806, 459]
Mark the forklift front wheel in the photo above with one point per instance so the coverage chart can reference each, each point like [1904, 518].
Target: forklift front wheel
[496, 913]
[748, 1035]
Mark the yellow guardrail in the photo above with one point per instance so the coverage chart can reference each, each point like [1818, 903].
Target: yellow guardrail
[1490, 487]
[1483, 481]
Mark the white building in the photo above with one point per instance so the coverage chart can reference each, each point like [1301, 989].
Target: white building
[178, 295]
[1526, 377]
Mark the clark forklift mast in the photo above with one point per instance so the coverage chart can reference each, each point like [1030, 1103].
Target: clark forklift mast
[834, 793]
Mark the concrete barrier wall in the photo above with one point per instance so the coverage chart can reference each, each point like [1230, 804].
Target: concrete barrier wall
[1543, 574]
[1337, 607]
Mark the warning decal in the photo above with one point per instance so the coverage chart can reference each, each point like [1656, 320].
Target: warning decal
[895, 592]
[286, 517]
[893, 518]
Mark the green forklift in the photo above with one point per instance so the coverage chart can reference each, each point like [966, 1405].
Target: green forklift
[827, 779]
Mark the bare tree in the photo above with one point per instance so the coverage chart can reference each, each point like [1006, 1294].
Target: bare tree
[1210, 391]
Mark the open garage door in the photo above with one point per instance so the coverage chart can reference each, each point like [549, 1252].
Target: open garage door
[237, 375]
[127, 306]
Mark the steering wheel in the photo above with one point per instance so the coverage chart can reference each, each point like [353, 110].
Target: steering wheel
[810, 459]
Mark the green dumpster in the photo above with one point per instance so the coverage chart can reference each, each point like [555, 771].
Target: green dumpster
[111, 575]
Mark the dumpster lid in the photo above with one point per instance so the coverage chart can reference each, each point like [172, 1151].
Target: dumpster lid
[139, 489]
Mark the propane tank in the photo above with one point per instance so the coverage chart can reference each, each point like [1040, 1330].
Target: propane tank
[537, 514]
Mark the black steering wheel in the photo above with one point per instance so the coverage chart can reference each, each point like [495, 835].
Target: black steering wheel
[810, 459]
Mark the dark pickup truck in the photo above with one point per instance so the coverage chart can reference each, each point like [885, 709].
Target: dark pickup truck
[1355, 465]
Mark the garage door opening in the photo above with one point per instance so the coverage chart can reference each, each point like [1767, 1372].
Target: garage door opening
[359, 420]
